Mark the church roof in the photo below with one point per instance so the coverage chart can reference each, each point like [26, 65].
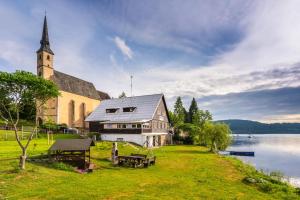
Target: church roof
[77, 86]
[45, 44]
[103, 95]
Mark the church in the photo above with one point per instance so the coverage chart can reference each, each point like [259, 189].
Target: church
[78, 97]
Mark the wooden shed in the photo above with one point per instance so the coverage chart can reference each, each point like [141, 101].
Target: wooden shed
[73, 151]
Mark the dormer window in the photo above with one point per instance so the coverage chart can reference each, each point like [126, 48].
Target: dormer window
[129, 109]
[112, 110]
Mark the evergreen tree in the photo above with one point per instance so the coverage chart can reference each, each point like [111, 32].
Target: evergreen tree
[179, 110]
[122, 95]
[193, 110]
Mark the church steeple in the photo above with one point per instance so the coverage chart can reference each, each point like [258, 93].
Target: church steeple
[45, 44]
[45, 55]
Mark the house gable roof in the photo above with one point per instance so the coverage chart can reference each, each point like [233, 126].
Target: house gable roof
[77, 86]
[145, 108]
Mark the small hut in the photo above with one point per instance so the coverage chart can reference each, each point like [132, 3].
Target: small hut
[73, 151]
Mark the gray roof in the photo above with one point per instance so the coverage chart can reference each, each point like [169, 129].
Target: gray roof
[75, 85]
[145, 109]
[72, 145]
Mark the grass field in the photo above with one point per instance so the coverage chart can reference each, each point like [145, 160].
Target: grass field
[181, 172]
[10, 135]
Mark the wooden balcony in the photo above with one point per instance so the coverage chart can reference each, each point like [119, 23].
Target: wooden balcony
[126, 131]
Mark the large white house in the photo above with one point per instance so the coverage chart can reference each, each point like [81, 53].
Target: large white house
[143, 120]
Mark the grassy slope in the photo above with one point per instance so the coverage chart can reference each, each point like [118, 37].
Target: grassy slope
[181, 172]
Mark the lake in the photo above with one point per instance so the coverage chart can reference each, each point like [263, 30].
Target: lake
[273, 152]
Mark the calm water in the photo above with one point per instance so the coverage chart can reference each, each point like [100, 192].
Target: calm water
[273, 152]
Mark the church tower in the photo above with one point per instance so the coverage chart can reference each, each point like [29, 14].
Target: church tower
[45, 55]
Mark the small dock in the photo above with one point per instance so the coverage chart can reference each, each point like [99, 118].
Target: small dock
[242, 153]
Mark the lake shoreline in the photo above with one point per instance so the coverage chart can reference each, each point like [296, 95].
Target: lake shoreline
[273, 152]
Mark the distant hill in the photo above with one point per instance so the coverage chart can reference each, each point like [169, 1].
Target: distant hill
[239, 126]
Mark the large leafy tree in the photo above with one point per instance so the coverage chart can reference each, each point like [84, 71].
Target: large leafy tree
[18, 89]
[200, 117]
[217, 135]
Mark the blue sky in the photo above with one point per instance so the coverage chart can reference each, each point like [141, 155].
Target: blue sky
[226, 54]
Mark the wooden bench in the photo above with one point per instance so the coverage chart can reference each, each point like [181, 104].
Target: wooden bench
[147, 160]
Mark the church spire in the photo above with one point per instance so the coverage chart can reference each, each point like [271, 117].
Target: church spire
[45, 45]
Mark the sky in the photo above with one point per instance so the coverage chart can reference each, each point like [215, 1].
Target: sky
[239, 59]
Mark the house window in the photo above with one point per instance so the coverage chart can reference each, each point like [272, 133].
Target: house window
[138, 125]
[120, 139]
[133, 125]
[48, 57]
[146, 126]
[129, 109]
[123, 125]
[112, 110]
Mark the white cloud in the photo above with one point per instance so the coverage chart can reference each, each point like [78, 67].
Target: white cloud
[123, 47]
[271, 41]
[289, 118]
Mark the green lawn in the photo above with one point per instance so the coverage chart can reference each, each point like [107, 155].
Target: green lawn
[10, 135]
[181, 172]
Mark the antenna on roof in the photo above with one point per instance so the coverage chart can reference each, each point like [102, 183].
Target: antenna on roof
[131, 77]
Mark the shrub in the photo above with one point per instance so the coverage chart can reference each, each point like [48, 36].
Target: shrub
[266, 187]
[62, 166]
[92, 134]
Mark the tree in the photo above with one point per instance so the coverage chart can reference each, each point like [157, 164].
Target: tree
[218, 136]
[200, 117]
[17, 88]
[192, 110]
[122, 95]
[179, 110]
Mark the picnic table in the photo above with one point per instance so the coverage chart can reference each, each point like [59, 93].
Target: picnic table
[136, 160]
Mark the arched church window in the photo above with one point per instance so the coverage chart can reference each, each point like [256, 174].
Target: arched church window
[48, 57]
[71, 113]
[40, 57]
[83, 114]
